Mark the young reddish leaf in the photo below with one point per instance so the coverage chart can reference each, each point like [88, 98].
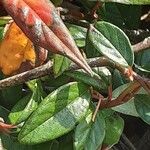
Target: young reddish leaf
[41, 23]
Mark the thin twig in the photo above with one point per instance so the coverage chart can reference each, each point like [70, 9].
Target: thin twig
[26, 76]
[99, 97]
[97, 109]
[145, 44]
[145, 83]
[45, 70]
[125, 96]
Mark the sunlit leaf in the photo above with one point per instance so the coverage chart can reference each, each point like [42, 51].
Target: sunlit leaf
[57, 114]
[78, 33]
[61, 63]
[110, 41]
[90, 135]
[100, 83]
[25, 106]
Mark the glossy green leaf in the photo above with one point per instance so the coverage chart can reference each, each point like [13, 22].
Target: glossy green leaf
[51, 83]
[118, 39]
[61, 63]
[100, 83]
[57, 114]
[142, 69]
[9, 143]
[89, 135]
[110, 41]
[11, 95]
[122, 15]
[137, 2]
[78, 33]
[104, 73]
[117, 79]
[126, 108]
[90, 50]
[142, 61]
[113, 130]
[4, 113]
[142, 104]
[22, 110]
[36, 85]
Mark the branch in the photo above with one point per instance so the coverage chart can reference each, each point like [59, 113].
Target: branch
[26, 76]
[48, 69]
[43, 71]
[125, 96]
[145, 44]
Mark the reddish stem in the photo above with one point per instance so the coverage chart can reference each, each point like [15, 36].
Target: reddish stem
[110, 93]
[125, 96]
[5, 128]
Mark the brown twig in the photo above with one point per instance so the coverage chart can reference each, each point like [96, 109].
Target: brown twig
[97, 109]
[125, 96]
[99, 97]
[110, 93]
[26, 76]
[145, 83]
[145, 44]
[43, 71]
[93, 14]
[47, 69]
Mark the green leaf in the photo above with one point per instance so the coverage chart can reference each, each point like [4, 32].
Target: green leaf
[22, 110]
[36, 85]
[117, 79]
[11, 95]
[104, 73]
[3, 22]
[78, 33]
[57, 114]
[90, 50]
[51, 83]
[126, 108]
[142, 104]
[61, 63]
[66, 142]
[122, 15]
[9, 143]
[4, 113]
[57, 2]
[137, 2]
[1, 33]
[142, 60]
[89, 135]
[112, 42]
[113, 130]
[100, 83]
